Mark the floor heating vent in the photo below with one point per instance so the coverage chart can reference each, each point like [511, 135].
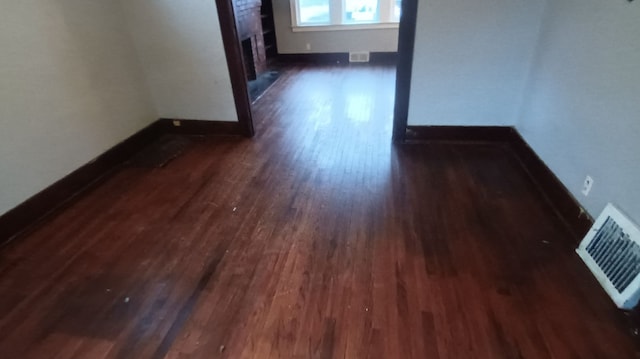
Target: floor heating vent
[611, 250]
[362, 56]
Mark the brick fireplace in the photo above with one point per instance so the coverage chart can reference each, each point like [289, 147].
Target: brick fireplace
[250, 32]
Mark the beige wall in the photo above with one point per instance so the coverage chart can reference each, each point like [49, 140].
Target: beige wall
[289, 42]
[70, 88]
[471, 60]
[180, 47]
[582, 112]
[565, 72]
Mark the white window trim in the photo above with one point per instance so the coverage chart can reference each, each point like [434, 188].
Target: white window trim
[336, 20]
[346, 27]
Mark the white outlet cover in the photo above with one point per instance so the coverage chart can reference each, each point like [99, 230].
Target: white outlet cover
[586, 187]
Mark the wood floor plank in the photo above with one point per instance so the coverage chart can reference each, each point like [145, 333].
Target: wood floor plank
[318, 238]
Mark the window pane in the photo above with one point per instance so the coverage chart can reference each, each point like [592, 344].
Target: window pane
[397, 9]
[314, 12]
[361, 10]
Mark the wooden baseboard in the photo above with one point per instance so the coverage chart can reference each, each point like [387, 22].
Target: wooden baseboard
[563, 202]
[383, 58]
[53, 197]
[342, 58]
[316, 58]
[201, 127]
[23, 217]
[459, 133]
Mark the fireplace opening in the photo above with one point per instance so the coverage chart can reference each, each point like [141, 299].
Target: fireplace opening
[249, 64]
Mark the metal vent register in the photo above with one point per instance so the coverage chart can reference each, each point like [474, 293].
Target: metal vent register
[362, 56]
[611, 250]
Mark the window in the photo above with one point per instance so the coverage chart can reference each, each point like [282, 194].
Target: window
[360, 11]
[309, 15]
[397, 8]
[314, 12]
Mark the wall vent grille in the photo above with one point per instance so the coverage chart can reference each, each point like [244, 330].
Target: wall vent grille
[362, 56]
[611, 250]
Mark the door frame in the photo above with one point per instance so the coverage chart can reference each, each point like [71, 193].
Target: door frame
[237, 72]
[404, 68]
[235, 63]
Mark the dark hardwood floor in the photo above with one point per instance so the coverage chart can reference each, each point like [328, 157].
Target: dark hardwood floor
[316, 239]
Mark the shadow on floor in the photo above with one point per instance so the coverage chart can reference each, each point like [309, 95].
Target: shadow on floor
[258, 86]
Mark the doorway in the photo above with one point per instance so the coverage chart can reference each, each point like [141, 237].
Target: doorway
[232, 35]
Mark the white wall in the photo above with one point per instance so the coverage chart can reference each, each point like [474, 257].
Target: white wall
[582, 115]
[289, 42]
[471, 60]
[70, 88]
[180, 47]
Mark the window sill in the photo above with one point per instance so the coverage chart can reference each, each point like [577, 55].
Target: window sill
[376, 26]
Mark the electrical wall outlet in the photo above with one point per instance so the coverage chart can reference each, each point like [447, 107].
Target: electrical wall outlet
[586, 187]
[308, 46]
